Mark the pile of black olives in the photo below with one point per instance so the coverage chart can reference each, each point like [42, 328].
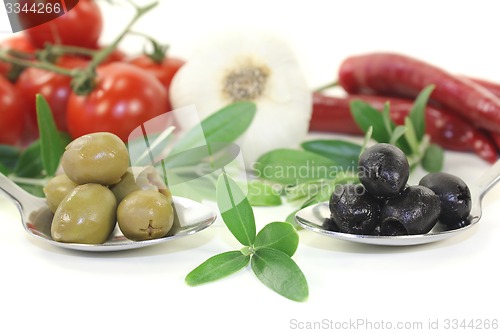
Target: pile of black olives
[98, 189]
[384, 204]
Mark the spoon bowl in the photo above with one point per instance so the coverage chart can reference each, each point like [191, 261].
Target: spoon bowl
[313, 217]
[190, 217]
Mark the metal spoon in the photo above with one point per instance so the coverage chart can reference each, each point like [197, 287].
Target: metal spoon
[191, 217]
[312, 218]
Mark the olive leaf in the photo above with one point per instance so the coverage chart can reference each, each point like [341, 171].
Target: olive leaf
[344, 153]
[398, 132]
[278, 235]
[292, 166]
[8, 158]
[217, 267]
[367, 116]
[386, 117]
[263, 194]
[235, 209]
[410, 137]
[223, 126]
[383, 127]
[30, 163]
[269, 251]
[51, 145]
[433, 158]
[4, 169]
[279, 272]
[417, 112]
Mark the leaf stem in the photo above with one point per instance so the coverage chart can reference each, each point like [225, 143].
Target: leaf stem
[327, 86]
[29, 181]
[247, 250]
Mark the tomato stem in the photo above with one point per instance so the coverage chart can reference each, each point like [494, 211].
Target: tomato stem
[4, 56]
[158, 54]
[84, 82]
[101, 55]
[59, 50]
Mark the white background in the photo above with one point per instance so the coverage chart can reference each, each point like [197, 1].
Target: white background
[58, 291]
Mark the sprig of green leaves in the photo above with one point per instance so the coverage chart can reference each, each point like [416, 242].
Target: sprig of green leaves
[269, 252]
[409, 137]
[309, 175]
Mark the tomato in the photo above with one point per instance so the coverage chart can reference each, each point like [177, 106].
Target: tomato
[116, 55]
[11, 114]
[124, 98]
[17, 43]
[54, 87]
[81, 26]
[164, 71]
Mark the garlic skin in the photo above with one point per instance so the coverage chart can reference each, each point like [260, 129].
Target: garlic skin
[253, 67]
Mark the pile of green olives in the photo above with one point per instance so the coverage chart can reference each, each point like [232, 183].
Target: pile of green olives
[98, 190]
[384, 204]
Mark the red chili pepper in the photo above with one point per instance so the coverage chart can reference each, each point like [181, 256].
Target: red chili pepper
[491, 86]
[495, 89]
[398, 75]
[332, 114]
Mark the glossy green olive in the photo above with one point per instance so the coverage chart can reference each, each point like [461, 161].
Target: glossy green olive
[144, 215]
[87, 215]
[140, 178]
[100, 158]
[56, 190]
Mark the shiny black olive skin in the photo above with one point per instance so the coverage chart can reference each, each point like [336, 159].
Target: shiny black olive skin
[383, 169]
[354, 210]
[415, 211]
[454, 194]
[330, 224]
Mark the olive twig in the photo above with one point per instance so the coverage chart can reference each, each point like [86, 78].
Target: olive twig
[29, 181]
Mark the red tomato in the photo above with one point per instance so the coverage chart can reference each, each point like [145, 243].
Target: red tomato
[124, 98]
[11, 114]
[17, 43]
[116, 55]
[164, 71]
[54, 87]
[81, 26]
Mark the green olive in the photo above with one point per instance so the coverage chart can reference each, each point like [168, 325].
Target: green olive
[87, 215]
[145, 215]
[56, 190]
[100, 158]
[140, 178]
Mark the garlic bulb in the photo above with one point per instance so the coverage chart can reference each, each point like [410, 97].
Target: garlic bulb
[252, 67]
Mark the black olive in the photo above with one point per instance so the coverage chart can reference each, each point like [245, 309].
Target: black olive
[354, 210]
[329, 224]
[414, 211]
[454, 194]
[383, 170]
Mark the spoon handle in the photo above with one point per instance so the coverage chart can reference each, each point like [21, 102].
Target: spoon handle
[489, 179]
[13, 191]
